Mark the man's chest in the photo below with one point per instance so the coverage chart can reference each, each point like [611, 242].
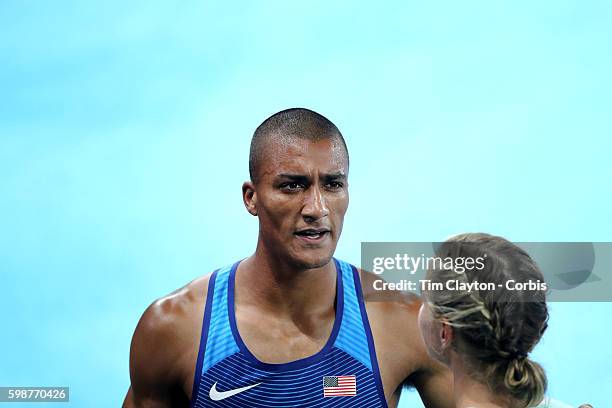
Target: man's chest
[274, 340]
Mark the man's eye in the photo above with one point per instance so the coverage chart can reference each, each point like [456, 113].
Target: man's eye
[334, 185]
[291, 186]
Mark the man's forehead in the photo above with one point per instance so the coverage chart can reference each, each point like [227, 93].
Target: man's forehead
[297, 155]
[315, 141]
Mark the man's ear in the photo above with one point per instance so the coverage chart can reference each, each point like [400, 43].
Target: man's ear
[249, 197]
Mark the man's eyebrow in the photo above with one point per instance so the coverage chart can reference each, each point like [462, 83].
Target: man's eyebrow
[334, 176]
[292, 177]
[289, 175]
[325, 176]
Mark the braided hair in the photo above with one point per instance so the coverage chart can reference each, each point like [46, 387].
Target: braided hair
[495, 330]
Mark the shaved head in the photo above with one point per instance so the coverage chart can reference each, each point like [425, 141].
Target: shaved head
[285, 125]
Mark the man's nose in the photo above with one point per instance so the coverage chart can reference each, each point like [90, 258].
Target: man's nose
[315, 205]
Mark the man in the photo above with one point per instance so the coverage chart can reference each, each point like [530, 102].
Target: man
[287, 326]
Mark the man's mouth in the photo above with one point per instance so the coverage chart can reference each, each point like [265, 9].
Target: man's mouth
[312, 234]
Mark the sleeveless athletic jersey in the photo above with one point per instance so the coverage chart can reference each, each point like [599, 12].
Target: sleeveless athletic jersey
[343, 374]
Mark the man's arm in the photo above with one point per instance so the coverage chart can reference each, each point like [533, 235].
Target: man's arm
[164, 349]
[151, 360]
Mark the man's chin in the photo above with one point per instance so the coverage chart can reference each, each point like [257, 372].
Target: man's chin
[313, 262]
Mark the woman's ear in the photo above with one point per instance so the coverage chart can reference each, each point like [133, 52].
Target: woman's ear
[446, 334]
[249, 197]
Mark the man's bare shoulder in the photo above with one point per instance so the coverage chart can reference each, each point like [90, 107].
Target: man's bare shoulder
[399, 305]
[165, 342]
[177, 306]
[166, 315]
[171, 317]
[395, 316]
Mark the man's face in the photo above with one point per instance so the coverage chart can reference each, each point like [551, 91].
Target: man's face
[301, 197]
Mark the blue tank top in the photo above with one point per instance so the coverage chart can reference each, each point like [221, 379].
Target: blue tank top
[343, 374]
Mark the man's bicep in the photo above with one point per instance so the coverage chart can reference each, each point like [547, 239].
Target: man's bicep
[132, 401]
[435, 386]
[129, 401]
[151, 361]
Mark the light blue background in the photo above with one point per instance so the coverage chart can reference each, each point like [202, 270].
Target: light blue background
[124, 133]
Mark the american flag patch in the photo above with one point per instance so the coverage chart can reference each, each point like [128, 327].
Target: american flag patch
[339, 386]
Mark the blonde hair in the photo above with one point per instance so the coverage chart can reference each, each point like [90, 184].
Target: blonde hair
[494, 330]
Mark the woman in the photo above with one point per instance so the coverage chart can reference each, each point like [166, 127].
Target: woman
[485, 336]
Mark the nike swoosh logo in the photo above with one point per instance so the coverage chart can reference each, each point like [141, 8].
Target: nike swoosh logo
[216, 395]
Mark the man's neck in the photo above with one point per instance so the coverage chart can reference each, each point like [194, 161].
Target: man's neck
[284, 289]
